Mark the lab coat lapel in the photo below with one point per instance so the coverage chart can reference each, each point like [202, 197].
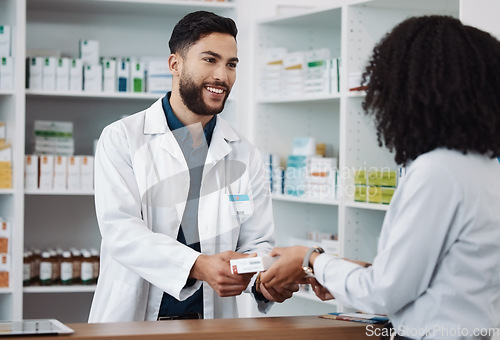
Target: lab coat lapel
[219, 147]
[155, 123]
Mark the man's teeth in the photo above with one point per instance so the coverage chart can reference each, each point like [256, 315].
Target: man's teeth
[214, 90]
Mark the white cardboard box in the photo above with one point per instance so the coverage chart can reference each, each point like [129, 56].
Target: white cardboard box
[49, 74]
[60, 172]
[138, 76]
[123, 74]
[6, 73]
[46, 166]
[87, 171]
[92, 78]
[89, 52]
[35, 65]
[62, 74]
[5, 41]
[31, 172]
[74, 173]
[109, 75]
[76, 75]
[251, 264]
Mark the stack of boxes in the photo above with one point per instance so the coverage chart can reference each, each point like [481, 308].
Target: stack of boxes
[299, 73]
[53, 165]
[57, 172]
[4, 252]
[6, 60]
[274, 172]
[374, 185]
[309, 173]
[92, 73]
[53, 137]
[5, 160]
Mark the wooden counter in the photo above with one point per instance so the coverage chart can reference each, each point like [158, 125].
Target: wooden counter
[289, 328]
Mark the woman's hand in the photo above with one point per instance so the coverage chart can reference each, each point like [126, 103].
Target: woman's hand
[287, 269]
[319, 290]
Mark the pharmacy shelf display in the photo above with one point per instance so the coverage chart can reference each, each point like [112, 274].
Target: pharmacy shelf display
[66, 218]
[337, 119]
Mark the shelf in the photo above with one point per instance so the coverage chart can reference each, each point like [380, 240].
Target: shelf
[135, 7]
[356, 94]
[5, 290]
[327, 18]
[311, 296]
[6, 92]
[370, 206]
[303, 99]
[6, 191]
[60, 289]
[93, 95]
[59, 192]
[311, 200]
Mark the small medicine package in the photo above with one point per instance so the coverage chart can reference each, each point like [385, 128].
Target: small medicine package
[251, 264]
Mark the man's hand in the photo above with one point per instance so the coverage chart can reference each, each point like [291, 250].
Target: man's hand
[278, 294]
[216, 271]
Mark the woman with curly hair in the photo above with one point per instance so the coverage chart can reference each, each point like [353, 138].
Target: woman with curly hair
[433, 88]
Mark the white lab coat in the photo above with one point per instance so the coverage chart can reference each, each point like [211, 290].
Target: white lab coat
[142, 182]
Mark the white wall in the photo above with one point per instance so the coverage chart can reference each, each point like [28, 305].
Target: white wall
[482, 14]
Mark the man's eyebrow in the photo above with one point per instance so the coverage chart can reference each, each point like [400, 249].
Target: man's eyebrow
[218, 56]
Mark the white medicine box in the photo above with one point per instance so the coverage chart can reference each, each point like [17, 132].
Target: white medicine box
[76, 75]
[87, 172]
[62, 74]
[137, 73]
[5, 41]
[92, 78]
[46, 166]
[34, 67]
[31, 172]
[123, 74]
[74, 173]
[89, 52]
[49, 73]
[6, 73]
[109, 75]
[60, 172]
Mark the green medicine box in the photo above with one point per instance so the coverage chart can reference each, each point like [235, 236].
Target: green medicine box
[382, 178]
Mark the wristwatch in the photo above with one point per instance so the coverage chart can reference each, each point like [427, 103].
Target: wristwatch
[305, 264]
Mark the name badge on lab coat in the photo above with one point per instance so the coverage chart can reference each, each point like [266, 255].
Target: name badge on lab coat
[241, 205]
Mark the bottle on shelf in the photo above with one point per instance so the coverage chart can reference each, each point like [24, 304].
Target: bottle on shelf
[35, 271]
[77, 265]
[66, 268]
[95, 264]
[46, 265]
[87, 268]
[27, 267]
[56, 266]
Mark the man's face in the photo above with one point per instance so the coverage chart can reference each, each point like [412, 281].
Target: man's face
[208, 73]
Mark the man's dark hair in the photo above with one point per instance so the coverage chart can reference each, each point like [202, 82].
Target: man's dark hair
[197, 25]
[434, 82]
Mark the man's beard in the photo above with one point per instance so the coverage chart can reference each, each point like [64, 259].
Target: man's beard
[192, 96]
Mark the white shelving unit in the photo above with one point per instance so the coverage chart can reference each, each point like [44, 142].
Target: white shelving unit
[138, 28]
[350, 31]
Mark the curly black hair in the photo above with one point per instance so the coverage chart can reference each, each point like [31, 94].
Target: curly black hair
[433, 82]
[196, 25]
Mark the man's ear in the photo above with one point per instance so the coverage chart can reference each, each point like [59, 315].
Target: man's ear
[175, 63]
